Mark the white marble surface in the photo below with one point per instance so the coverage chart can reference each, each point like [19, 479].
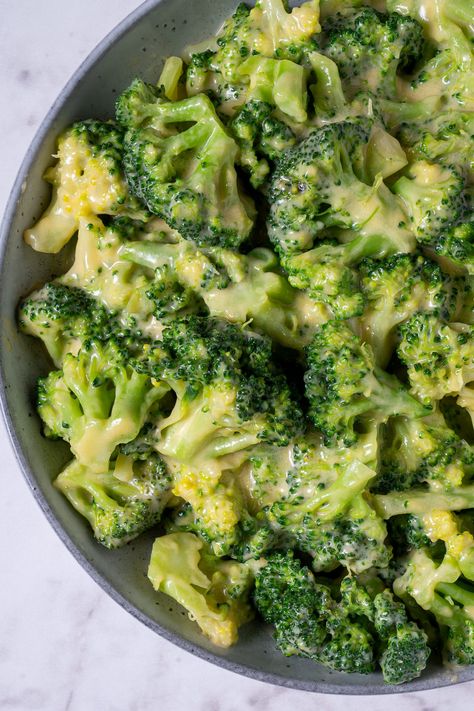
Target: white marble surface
[64, 645]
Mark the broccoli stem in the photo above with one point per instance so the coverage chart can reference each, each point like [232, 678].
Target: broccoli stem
[419, 501]
[457, 593]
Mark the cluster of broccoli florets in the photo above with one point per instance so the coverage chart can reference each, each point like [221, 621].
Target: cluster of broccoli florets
[264, 343]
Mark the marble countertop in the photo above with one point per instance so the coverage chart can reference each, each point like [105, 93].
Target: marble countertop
[64, 644]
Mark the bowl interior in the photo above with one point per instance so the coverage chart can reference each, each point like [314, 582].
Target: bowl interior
[137, 47]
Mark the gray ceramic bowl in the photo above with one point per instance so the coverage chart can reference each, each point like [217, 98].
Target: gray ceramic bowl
[136, 47]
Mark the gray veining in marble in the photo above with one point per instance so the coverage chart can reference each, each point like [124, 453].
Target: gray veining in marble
[64, 644]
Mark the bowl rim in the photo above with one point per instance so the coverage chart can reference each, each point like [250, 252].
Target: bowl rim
[88, 63]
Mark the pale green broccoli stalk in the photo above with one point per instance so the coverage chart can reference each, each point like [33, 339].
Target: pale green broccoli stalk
[122, 501]
[235, 288]
[187, 178]
[345, 388]
[213, 591]
[398, 287]
[328, 95]
[440, 589]
[439, 357]
[170, 77]
[421, 501]
[87, 180]
[96, 402]
[280, 83]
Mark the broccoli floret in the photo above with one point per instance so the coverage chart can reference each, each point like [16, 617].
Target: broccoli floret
[87, 180]
[345, 388]
[96, 402]
[407, 532]
[405, 648]
[230, 395]
[449, 71]
[269, 29]
[371, 48]
[187, 178]
[299, 494]
[119, 502]
[307, 620]
[455, 247]
[440, 589]
[435, 199]
[234, 287]
[214, 592]
[64, 317]
[439, 357]
[318, 184]
[419, 501]
[395, 289]
[214, 505]
[347, 631]
[423, 452]
[261, 137]
[445, 138]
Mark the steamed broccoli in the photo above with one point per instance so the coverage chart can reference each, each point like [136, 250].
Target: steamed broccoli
[121, 501]
[440, 589]
[435, 199]
[230, 394]
[96, 402]
[64, 317]
[398, 287]
[214, 592]
[319, 184]
[345, 388]
[87, 180]
[234, 287]
[269, 29]
[188, 177]
[423, 452]
[347, 633]
[439, 357]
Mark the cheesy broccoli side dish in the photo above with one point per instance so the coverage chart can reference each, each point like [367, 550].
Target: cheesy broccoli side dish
[263, 349]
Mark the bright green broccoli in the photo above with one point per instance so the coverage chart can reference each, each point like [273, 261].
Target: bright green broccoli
[398, 287]
[215, 592]
[345, 388]
[348, 632]
[233, 287]
[96, 402]
[423, 452]
[119, 502]
[188, 177]
[87, 180]
[371, 48]
[230, 394]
